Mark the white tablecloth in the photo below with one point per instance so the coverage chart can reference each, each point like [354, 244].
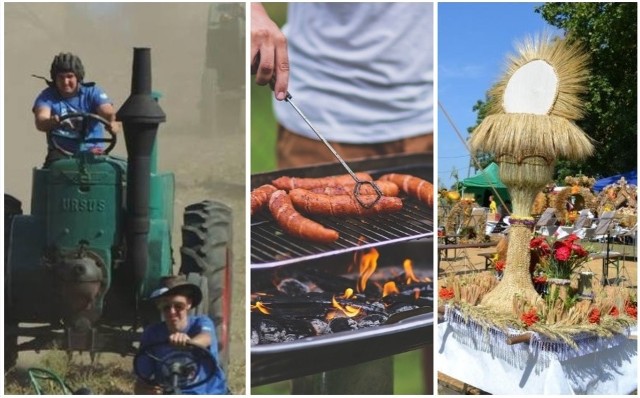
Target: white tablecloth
[514, 370]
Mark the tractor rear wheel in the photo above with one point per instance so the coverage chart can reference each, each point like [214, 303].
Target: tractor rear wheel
[207, 239]
[12, 207]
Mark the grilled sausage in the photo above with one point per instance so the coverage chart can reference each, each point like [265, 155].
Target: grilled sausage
[387, 188]
[342, 205]
[289, 183]
[260, 197]
[295, 223]
[412, 186]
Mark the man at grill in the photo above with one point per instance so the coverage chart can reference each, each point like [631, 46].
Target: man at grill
[362, 73]
[161, 343]
[67, 93]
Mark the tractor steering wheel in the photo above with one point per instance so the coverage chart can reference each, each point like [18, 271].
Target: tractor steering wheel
[80, 134]
[174, 368]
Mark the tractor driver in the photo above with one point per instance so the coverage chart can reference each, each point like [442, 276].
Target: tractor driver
[174, 300]
[68, 93]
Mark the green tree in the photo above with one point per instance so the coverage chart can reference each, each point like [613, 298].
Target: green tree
[609, 32]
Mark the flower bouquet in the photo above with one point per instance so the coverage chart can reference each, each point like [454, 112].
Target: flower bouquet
[558, 259]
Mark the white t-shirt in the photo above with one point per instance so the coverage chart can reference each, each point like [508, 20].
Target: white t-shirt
[361, 72]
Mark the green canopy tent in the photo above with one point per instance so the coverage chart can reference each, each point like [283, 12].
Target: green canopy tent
[480, 185]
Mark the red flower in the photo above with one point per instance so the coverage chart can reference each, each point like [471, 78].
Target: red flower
[614, 311]
[562, 253]
[540, 243]
[579, 251]
[594, 316]
[445, 293]
[571, 238]
[500, 264]
[530, 317]
[631, 309]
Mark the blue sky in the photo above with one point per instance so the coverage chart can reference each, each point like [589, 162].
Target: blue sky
[473, 42]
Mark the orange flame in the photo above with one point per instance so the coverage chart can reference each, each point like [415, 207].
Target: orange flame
[389, 288]
[408, 270]
[348, 293]
[357, 255]
[348, 310]
[416, 293]
[368, 266]
[261, 307]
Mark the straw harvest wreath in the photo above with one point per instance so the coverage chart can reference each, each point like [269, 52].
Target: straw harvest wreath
[530, 123]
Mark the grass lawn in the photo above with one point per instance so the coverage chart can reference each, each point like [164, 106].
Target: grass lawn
[407, 378]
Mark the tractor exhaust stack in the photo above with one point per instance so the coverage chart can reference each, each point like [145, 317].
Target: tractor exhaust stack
[140, 116]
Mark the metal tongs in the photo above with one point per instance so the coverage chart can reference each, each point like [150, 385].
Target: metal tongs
[356, 191]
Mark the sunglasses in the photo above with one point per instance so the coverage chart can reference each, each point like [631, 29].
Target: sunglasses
[176, 306]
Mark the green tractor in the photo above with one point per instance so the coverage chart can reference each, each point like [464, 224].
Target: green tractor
[79, 268]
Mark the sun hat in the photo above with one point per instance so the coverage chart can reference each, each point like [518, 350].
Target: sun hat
[177, 285]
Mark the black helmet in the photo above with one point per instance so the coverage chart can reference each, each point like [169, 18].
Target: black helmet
[67, 62]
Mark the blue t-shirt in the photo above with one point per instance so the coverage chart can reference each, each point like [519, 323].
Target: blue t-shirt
[87, 100]
[159, 332]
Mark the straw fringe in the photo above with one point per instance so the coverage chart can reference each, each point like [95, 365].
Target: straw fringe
[526, 135]
[472, 328]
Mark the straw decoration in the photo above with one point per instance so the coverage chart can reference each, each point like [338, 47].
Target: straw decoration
[523, 134]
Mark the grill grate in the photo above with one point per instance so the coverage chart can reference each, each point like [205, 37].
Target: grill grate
[271, 247]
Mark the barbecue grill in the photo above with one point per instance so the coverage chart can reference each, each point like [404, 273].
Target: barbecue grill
[406, 234]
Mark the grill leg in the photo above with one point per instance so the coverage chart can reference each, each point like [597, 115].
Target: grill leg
[368, 378]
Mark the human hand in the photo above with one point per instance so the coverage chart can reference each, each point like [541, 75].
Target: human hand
[113, 127]
[268, 52]
[54, 122]
[180, 339]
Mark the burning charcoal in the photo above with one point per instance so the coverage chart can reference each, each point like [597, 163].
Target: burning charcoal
[292, 287]
[372, 320]
[299, 327]
[310, 305]
[342, 324]
[271, 331]
[255, 337]
[377, 306]
[320, 326]
[292, 337]
[401, 307]
[425, 289]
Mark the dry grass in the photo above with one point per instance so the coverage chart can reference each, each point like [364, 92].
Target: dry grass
[113, 378]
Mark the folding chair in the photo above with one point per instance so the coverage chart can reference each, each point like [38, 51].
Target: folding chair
[546, 225]
[632, 235]
[604, 230]
[478, 216]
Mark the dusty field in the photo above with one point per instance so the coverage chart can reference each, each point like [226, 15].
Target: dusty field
[208, 164]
